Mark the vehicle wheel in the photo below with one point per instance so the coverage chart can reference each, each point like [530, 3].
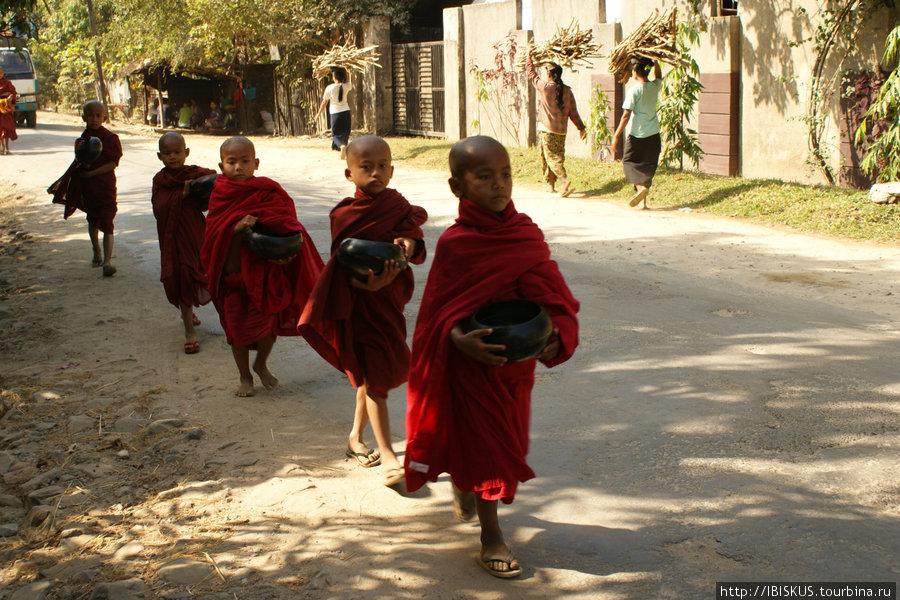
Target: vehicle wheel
[30, 119]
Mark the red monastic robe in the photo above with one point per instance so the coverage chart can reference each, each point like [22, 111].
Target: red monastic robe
[463, 417]
[96, 196]
[263, 297]
[8, 119]
[180, 224]
[359, 332]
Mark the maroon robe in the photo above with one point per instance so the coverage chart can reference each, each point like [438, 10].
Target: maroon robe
[8, 119]
[264, 297]
[96, 196]
[464, 417]
[359, 332]
[180, 225]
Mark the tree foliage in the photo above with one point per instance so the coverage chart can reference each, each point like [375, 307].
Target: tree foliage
[883, 155]
[17, 18]
[680, 93]
[216, 34]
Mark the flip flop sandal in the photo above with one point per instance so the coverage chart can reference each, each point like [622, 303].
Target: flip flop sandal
[192, 347]
[195, 319]
[509, 559]
[364, 458]
[394, 477]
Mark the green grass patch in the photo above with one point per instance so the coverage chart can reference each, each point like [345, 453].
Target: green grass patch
[815, 209]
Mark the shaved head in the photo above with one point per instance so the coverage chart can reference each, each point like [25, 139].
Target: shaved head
[236, 141]
[366, 143]
[470, 151]
[171, 137]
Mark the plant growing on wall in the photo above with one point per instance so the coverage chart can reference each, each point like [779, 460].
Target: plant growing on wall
[500, 88]
[598, 127]
[883, 154]
[681, 90]
[837, 32]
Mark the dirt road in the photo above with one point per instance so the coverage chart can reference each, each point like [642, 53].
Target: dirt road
[732, 413]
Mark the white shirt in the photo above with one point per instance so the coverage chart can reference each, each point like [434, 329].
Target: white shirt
[331, 94]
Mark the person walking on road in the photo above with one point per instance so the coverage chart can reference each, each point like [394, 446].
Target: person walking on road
[7, 113]
[556, 105]
[642, 142]
[335, 97]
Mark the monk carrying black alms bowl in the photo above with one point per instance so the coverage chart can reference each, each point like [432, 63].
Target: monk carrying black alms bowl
[201, 188]
[522, 326]
[270, 245]
[359, 256]
[87, 151]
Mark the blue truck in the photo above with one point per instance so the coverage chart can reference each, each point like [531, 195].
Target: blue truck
[15, 59]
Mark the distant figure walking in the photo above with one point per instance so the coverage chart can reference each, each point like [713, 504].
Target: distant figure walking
[556, 105]
[7, 113]
[335, 97]
[642, 144]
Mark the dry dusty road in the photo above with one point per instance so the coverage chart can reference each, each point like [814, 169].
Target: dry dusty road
[732, 413]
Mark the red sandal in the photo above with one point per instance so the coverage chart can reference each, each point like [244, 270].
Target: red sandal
[192, 347]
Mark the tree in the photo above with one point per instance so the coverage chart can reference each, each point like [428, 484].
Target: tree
[883, 155]
[17, 18]
[681, 90]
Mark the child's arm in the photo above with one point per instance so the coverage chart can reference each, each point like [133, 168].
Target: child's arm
[376, 282]
[472, 345]
[102, 169]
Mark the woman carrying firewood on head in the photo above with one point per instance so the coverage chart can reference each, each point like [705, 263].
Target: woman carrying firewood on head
[642, 144]
[335, 98]
[556, 105]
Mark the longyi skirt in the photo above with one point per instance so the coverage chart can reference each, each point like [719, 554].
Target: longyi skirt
[340, 129]
[640, 159]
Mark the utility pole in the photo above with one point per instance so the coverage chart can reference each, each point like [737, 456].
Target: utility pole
[104, 97]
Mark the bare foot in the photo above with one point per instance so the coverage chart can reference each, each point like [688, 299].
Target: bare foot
[246, 388]
[268, 380]
[463, 503]
[551, 188]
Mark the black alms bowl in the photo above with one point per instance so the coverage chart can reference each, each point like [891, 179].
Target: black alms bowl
[264, 242]
[200, 189]
[522, 326]
[87, 151]
[358, 256]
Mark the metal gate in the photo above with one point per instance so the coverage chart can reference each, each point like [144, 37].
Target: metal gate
[418, 80]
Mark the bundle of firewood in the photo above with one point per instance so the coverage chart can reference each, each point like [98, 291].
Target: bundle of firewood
[347, 57]
[568, 48]
[654, 39]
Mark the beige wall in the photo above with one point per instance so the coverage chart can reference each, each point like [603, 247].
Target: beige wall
[759, 44]
[485, 25]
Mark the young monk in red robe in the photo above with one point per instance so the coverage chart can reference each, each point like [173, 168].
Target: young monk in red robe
[92, 187]
[7, 113]
[359, 327]
[180, 224]
[468, 410]
[257, 299]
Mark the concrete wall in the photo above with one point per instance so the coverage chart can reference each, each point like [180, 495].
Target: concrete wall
[774, 78]
[454, 75]
[773, 83]
[483, 26]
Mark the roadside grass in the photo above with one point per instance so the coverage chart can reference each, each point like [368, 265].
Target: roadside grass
[815, 209]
